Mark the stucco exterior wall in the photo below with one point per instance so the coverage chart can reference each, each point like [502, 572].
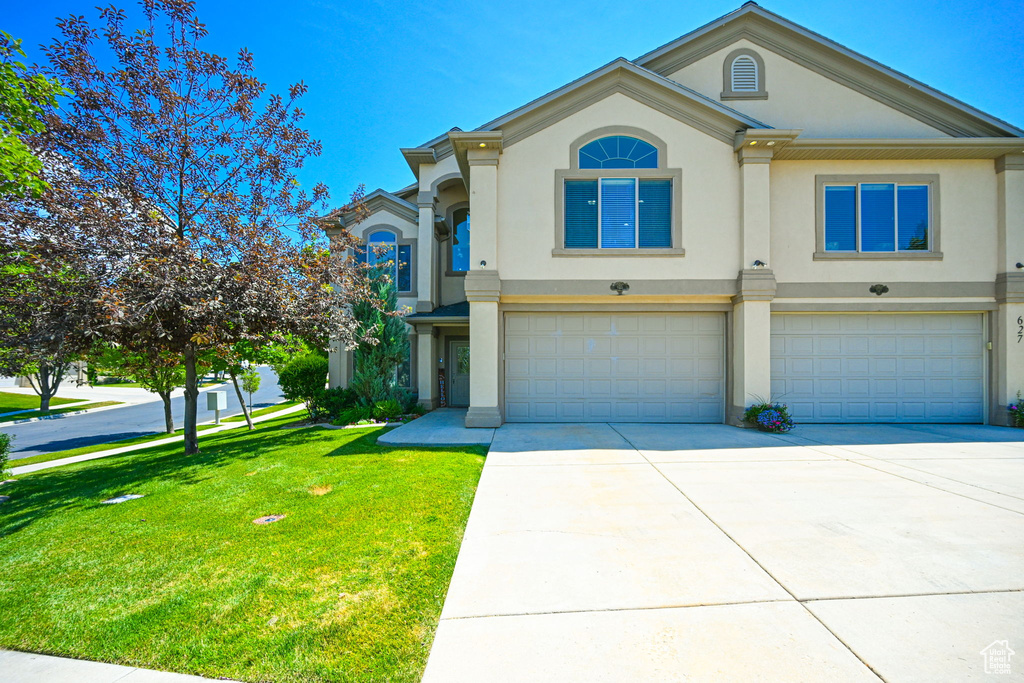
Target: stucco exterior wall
[527, 187]
[967, 223]
[801, 98]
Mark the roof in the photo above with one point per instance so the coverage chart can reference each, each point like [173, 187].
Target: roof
[459, 310]
[833, 60]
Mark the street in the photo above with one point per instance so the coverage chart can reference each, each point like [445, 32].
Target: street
[75, 431]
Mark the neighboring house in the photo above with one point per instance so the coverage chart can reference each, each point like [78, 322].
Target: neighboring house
[791, 219]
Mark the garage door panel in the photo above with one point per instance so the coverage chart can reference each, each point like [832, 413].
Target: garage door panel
[627, 367]
[893, 368]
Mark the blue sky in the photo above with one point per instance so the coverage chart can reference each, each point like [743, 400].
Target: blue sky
[384, 75]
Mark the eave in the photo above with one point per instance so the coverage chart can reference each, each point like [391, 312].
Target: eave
[807, 149]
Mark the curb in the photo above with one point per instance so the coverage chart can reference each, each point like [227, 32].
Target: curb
[67, 414]
[70, 460]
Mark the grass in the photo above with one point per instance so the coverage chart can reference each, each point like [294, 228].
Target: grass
[347, 587]
[57, 455]
[59, 411]
[10, 402]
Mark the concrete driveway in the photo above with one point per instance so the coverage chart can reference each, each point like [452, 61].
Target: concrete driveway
[704, 552]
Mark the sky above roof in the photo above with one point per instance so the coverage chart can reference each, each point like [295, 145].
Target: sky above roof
[384, 75]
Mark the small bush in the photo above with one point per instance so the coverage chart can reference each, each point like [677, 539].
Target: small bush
[769, 417]
[387, 410]
[304, 379]
[5, 452]
[335, 401]
[353, 415]
[416, 409]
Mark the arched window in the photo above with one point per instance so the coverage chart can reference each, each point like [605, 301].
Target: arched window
[382, 250]
[460, 241]
[618, 151]
[744, 74]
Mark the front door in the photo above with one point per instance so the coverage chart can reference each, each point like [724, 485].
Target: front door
[458, 362]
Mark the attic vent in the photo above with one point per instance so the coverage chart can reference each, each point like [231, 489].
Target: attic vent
[744, 74]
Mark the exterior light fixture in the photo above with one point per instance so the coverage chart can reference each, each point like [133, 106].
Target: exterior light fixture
[770, 143]
[483, 144]
[753, 142]
[878, 290]
[483, 264]
[760, 264]
[1020, 266]
[619, 287]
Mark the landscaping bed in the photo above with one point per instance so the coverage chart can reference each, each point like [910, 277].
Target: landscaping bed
[348, 585]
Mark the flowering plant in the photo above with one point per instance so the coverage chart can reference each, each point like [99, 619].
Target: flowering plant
[769, 417]
[1016, 412]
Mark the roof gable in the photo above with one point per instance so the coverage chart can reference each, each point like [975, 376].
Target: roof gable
[832, 60]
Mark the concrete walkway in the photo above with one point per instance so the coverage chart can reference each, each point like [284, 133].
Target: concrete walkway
[28, 469]
[708, 553]
[25, 667]
[442, 427]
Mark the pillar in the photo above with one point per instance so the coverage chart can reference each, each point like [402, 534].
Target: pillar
[337, 364]
[1008, 341]
[426, 367]
[426, 248]
[751, 319]
[483, 290]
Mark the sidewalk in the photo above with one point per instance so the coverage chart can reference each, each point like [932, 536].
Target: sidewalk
[26, 667]
[126, 395]
[26, 469]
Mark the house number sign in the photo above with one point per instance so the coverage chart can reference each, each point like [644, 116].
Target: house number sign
[1020, 328]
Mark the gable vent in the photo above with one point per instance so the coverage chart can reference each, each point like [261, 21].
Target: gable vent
[744, 74]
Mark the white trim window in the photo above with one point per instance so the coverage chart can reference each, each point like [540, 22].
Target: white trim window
[877, 217]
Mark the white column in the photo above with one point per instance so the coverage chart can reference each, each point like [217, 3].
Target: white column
[751, 328]
[426, 368]
[337, 365]
[426, 278]
[483, 290]
[1008, 344]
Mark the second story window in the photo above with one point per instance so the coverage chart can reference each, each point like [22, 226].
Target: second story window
[877, 217]
[618, 213]
[460, 241]
[619, 199]
[382, 250]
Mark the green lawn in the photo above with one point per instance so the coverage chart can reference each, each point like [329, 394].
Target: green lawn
[59, 411]
[10, 402]
[347, 587]
[57, 455]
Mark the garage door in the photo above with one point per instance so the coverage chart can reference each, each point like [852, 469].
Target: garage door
[597, 367]
[879, 368]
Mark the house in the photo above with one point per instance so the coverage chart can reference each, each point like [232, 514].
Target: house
[751, 210]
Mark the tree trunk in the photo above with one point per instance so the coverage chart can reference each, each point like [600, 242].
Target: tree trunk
[238, 392]
[191, 402]
[165, 396]
[44, 386]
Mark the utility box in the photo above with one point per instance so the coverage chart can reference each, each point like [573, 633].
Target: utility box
[216, 400]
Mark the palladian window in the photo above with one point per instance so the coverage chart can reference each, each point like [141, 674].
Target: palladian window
[616, 210]
[395, 260]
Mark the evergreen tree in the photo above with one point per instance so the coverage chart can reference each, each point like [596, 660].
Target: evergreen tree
[384, 342]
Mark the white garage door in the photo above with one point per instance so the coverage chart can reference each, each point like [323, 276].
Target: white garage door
[622, 367]
[879, 368]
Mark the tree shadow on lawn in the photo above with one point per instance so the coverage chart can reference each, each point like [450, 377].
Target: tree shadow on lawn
[35, 496]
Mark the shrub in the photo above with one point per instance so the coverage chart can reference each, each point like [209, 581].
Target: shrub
[352, 415]
[334, 402]
[769, 417]
[5, 452]
[1016, 412]
[387, 410]
[304, 379]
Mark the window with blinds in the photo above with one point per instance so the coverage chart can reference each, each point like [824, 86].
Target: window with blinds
[618, 213]
[744, 74]
[877, 217]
